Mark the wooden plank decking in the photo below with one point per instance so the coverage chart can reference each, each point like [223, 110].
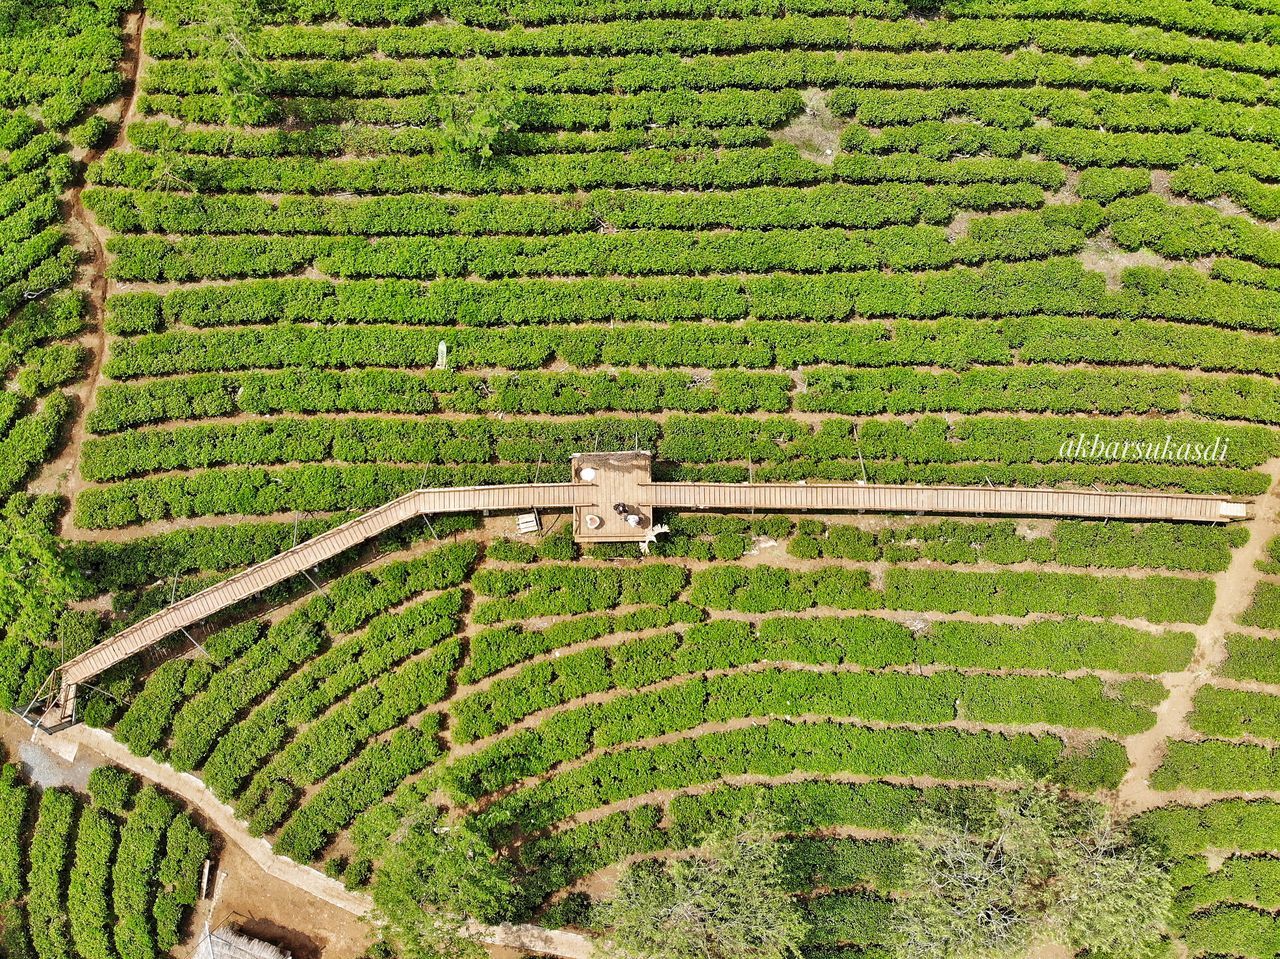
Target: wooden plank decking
[970, 500]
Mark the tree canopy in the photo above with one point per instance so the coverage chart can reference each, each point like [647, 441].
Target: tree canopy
[725, 901]
[36, 587]
[475, 113]
[1004, 873]
[225, 31]
[439, 875]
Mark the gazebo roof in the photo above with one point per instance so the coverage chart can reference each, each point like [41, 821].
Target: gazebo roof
[227, 943]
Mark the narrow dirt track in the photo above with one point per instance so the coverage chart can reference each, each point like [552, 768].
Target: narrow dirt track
[60, 475]
[1234, 589]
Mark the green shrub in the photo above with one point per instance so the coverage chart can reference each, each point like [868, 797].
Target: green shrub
[186, 849]
[1231, 713]
[46, 879]
[779, 747]
[1217, 765]
[1252, 657]
[1264, 610]
[88, 907]
[93, 132]
[510, 551]
[1226, 824]
[133, 874]
[1104, 185]
[112, 789]
[14, 800]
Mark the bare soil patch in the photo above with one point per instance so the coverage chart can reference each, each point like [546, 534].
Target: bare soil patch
[816, 131]
[1101, 255]
[265, 907]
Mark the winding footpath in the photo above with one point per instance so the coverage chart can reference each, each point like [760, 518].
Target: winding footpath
[1233, 591]
[61, 475]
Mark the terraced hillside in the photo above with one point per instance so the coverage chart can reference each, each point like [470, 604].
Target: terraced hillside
[448, 242]
[60, 62]
[588, 710]
[663, 253]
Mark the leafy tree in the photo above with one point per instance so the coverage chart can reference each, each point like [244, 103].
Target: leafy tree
[439, 875]
[475, 113]
[224, 31]
[726, 901]
[1003, 874]
[36, 587]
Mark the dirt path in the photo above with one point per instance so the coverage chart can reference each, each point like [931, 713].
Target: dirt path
[60, 475]
[1234, 588]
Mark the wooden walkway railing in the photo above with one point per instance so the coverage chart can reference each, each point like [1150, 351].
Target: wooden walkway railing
[305, 556]
[969, 500]
[836, 497]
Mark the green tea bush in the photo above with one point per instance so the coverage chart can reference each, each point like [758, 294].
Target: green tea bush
[1252, 657]
[14, 800]
[1241, 879]
[186, 849]
[374, 773]
[492, 650]
[560, 590]
[1218, 766]
[774, 165]
[1157, 599]
[345, 667]
[51, 842]
[779, 747]
[1226, 824]
[1231, 713]
[1239, 930]
[146, 722]
[1264, 609]
[133, 874]
[88, 906]
[871, 698]
[202, 719]
[331, 741]
[758, 589]
[112, 789]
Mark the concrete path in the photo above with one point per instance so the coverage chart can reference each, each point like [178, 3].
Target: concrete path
[221, 816]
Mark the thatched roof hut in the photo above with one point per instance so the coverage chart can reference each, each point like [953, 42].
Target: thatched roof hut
[227, 943]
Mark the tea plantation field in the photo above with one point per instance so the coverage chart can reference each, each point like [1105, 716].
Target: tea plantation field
[451, 242]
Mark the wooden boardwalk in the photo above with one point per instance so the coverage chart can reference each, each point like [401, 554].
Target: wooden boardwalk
[591, 495]
[302, 558]
[968, 500]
